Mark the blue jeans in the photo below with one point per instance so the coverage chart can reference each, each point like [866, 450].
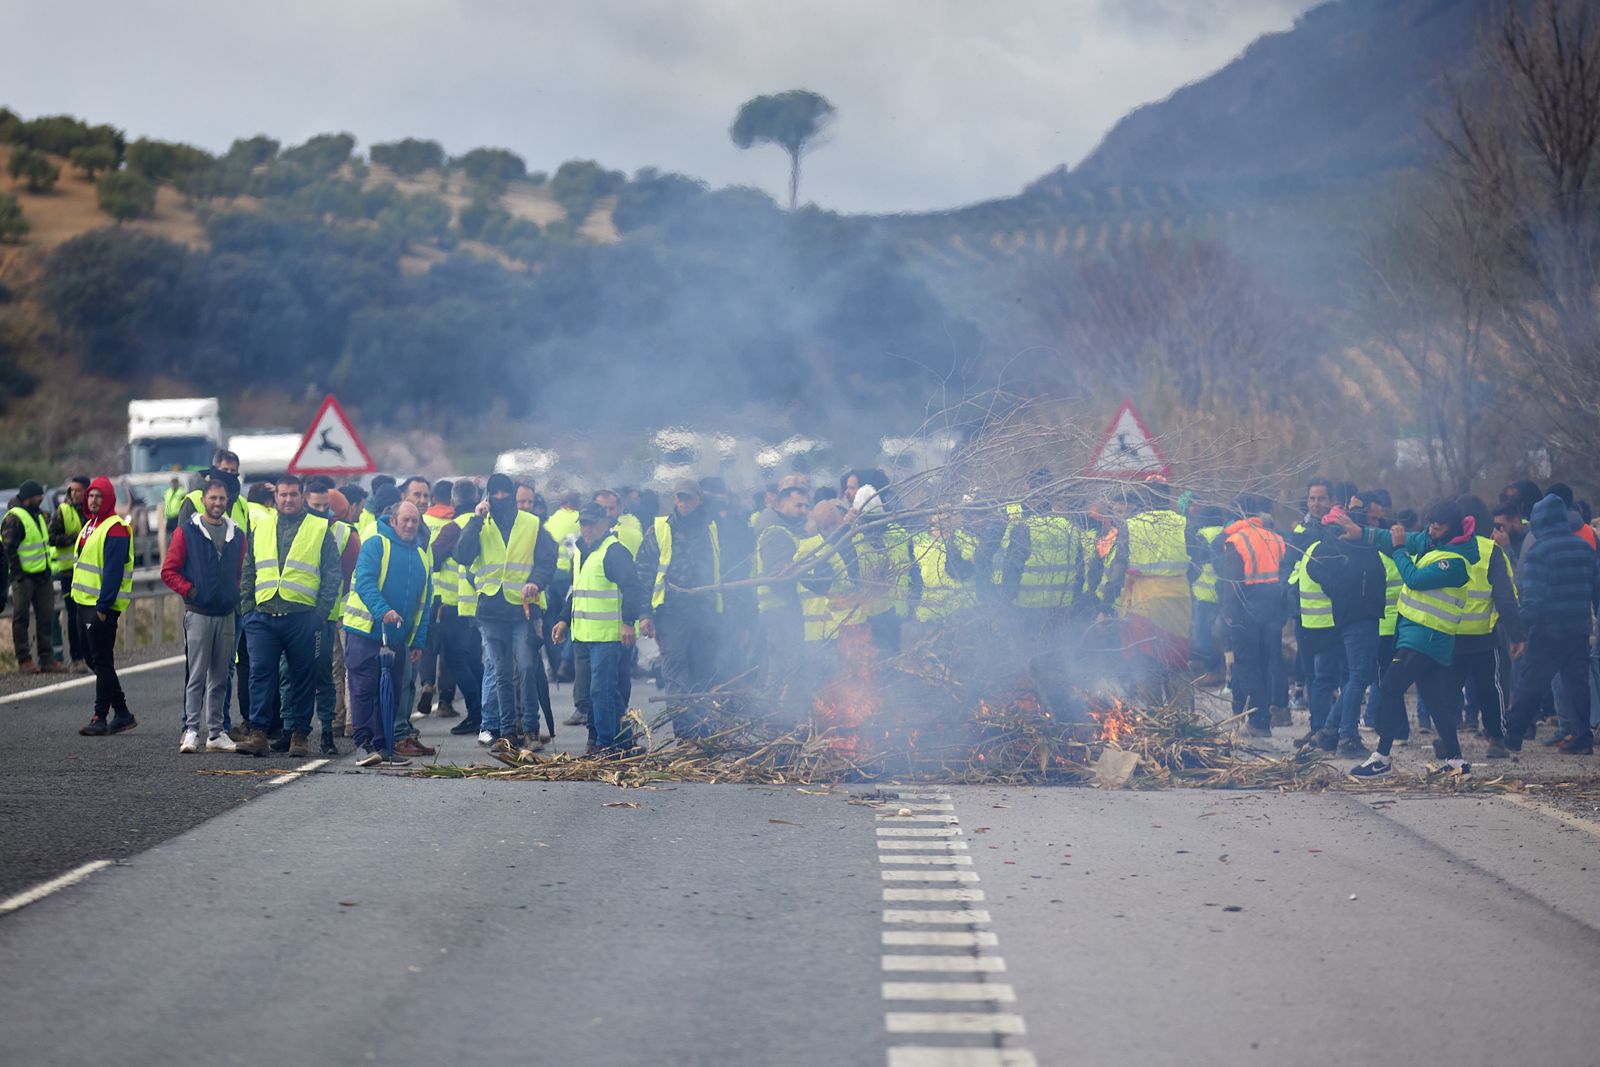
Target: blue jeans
[607, 661]
[293, 637]
[322, 691]
[1325, 666]
[1361, 659]
[509, 648]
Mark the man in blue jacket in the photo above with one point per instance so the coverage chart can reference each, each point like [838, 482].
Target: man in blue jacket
[1559, 585]
[390, 589]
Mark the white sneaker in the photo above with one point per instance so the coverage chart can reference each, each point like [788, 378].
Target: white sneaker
[190, 742]
[485, 737]
[221, 743]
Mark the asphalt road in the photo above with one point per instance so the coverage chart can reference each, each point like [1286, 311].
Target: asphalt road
[349, 917]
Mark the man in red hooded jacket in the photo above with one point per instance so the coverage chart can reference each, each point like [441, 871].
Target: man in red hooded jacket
[100, 584]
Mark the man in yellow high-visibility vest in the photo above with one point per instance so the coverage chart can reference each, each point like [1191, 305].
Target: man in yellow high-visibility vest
[680, 563]
[292, 579]
[25, 534]
[65, 525]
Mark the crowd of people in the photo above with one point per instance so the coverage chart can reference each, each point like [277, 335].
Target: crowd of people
[370, 609]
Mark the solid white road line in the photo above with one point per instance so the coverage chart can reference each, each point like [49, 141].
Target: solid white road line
[953, 1022]
[919, 831]
[920, 796]
[926, 817]
[929, 876]
[88, 679]
[44, 889]
[965, 964]
[928, 807]
[307, 768]
[1577, 822]
[986, 991]
[929, 861]
[932, 895]
[960, 1057]
[958, 917]
[922, 846]
[941, 938]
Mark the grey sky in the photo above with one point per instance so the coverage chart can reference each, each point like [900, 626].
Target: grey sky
[940, 103]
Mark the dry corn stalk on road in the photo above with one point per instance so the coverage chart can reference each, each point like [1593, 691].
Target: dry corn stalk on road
[341, 917]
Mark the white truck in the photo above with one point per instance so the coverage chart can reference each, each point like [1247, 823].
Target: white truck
[264, 456]
[172, 435]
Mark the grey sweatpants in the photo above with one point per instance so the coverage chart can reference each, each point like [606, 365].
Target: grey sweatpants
[208, 644]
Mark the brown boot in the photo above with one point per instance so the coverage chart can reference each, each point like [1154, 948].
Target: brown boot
[411, 746]
[1281, 717]
[299, 745]
[254, 744]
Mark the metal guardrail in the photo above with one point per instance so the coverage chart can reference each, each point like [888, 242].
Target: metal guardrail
[140, 628]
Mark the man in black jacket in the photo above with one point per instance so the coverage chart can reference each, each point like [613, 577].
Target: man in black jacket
[679, 561]
[1352, 576]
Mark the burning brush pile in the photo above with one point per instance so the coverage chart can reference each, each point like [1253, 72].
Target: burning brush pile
[855, 734]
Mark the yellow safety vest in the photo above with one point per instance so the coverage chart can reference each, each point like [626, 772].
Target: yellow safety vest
[62, 557]
[33, 552]
[172, 501]
[874, 575]
[435, 523]
[341, 537]
[1316, 608]
[629, 532]
[820, 620]
[465, 595]
[1055, 551]
[596, 600]
[366, 524]
[502, 567]
[1478, 614]
[1156, 547]
[1391, 597]
[90, 571]
[257, 513]
[897, 546]
[770, 598]
[942, 595]
[1437, 609]
[239, 512]
[564, 528]
[297, 578]
[1205, 586]
[664, 545]
[356, 615]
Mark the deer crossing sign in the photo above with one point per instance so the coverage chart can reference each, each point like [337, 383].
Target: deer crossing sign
[331, 446]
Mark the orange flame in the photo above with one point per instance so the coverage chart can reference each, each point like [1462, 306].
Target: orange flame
[1115, 720]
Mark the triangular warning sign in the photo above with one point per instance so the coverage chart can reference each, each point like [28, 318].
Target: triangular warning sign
[1128, 450]
[331, 445]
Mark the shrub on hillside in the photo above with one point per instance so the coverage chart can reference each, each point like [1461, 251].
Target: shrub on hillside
[580, 182]
[409, 157]
[32, 166]
[166, 161]
[493, 168]
[60, 134]
[13, 227]
[93, 159]
[322, 155]
[124, 195]
[652, 196]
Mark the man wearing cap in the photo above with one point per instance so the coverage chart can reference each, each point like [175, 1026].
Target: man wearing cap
[606, 599]
[679, 561]
[26, 536]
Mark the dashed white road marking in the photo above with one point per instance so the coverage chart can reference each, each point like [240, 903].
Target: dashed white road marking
[955, 958]
[305, 768]
[88, 679]
[933, 895]
[954, 1022]
[963, 964]
[965, 917]
[978, 991]
[929, 876]
[960, 1057]
[44, 889]
[941, 938]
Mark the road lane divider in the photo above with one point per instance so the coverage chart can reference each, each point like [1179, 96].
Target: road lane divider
[940, 1018]
[88, 679]
[44, 889]
[298, 772]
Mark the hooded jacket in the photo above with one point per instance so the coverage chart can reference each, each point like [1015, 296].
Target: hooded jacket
[407, 586]
[118, 544]
[1559, 579]
[207, 580]
[1352, 576]
[1450, 573]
